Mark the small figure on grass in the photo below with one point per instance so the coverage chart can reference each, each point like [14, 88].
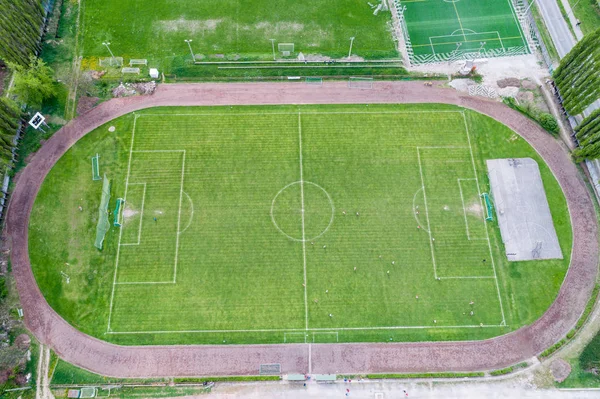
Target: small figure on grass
[155, 219]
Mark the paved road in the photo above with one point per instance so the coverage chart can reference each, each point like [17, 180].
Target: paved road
[197, 360]
[557, 26]
[504, 389]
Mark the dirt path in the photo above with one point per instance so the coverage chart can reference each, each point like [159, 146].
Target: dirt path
[154, 361]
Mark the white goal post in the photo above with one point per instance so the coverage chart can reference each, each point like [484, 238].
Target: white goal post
[285, 48]
[360, 83]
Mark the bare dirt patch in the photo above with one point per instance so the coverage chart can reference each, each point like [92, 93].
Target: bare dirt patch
[188, 25]
[475, 209]
[85, 104]
[560, 370]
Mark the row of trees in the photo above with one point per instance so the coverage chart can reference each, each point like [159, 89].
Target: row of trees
[578, 76]
[588, 134]
[10, 115]
[20, 28]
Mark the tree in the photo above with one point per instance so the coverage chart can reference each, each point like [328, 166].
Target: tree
[588, 135]
[10, 114]
[578, 75]
[20, 29]
[33, 84]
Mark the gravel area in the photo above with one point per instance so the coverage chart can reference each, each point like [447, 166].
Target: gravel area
[159, 361]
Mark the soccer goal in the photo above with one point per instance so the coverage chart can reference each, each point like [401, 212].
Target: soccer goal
[286, 49]
[360, 83]
[117, 213]
[488, 207]
[96, 168]
[111, 62]
[314, 81]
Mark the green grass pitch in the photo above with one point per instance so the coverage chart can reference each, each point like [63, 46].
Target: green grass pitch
[233, 29]
[440, 29]
[290, 224]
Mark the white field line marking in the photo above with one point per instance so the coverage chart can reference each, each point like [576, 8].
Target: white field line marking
[500, 39]
[459, 21]
[233, 113]
[179, 219]
[415, 209]
[141, 216]
[304, 330]
[143, 282]
[303, 334]
[486, 229]
[112, 295]
[300, 239]
[427, 213]
[141, 151]
[302, 213]
[514, 14]
[337, 337]
[495, 32]
[465, 277]
[192, 214]
[462, 198]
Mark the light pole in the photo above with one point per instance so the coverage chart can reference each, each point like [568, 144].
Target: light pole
[273, 47]
[529, 6]
[188, 41]
[482, 44]
[573, 8]
[351, 42]
[111, 53]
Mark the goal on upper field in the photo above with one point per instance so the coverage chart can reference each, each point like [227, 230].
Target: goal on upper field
[111, 62]
[360, 83]
[286, 49]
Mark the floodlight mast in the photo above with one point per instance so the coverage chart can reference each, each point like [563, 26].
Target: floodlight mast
[107, 44]
[351, 42]
[188, 41]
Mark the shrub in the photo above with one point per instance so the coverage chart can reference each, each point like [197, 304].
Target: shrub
[548, 122]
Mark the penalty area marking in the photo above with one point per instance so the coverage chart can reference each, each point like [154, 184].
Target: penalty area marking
[293, 334]
[139, 237]
[191, 215]
[337, 337]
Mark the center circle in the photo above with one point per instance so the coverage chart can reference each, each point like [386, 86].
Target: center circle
[302, 211]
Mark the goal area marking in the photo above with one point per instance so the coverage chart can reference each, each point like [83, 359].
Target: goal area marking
[293, 334]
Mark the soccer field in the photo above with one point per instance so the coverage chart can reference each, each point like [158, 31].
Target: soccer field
[289, 224]
[442, 30]
[233, 29]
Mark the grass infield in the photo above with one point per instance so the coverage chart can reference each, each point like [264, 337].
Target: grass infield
[280, 224]
[439, 30]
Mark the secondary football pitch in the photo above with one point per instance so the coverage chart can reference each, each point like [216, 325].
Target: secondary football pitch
[233, 29]
[290, 224]
[441, 30]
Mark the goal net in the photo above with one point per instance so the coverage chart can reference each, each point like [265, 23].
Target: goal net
[96, 168]
[360, 83]
[314, 81]
[111, 62]
[285, 49]
[117, 212]
[103, 224]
